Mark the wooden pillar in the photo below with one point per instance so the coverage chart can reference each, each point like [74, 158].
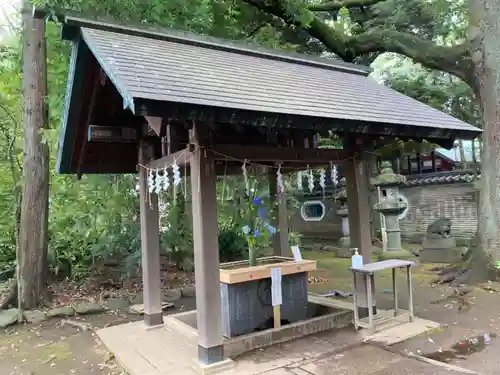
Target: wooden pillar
[419, 163]
[358, 207]
[279, 218]
[433, 159]
[357, 191]
[150, 245]
[206, 255]
[409, 165]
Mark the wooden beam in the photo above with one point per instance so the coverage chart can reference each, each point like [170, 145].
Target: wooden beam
[279, 217]
[90, 115]
[278, 154]
[419, 163]
[154, 123]
[181, 157]
[150, 246]
[206, 254]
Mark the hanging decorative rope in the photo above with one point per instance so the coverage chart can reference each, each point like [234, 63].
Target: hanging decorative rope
[334, 174]
[166, 179]
[280, 187]
[322, 179]
[310, 178]
[158, 182]
[223, 198]
[151, 184]
[185, 181]
[299, 180]
[245, 178]
[177, 173]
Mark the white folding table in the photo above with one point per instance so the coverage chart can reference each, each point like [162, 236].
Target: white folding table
[367, 272]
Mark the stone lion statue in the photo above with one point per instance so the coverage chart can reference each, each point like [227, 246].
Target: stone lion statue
[439, 228]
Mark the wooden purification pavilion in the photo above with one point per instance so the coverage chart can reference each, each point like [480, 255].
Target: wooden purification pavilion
[141, 98]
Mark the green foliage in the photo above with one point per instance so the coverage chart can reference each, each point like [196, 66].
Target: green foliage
[92, 220]
[176, 229]
[437, 89]
[10, 148]
[97, 217]
[233, 245]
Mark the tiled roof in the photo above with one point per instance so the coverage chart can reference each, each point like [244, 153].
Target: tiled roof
[173, 71]
[442, 179]
[427, 179]
[173, 67]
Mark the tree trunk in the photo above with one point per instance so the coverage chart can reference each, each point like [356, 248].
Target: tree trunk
[484, 35]
[35, 192]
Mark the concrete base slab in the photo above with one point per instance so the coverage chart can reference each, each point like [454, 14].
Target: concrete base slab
[401, 331]
[369, 360]
[214, 368]
[332, 317]
[166, 351]
[141, 351]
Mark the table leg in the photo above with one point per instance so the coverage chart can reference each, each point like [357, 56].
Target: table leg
[395, 291]
[410, 293]
[355, 301]
[368, 285]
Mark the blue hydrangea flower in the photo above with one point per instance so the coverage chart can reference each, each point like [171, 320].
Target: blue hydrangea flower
[256, 201]
[256, 234]
[246, 229]
[262, 212]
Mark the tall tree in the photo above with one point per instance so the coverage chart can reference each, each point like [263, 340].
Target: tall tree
[431, 33]
[415, 28]
[484, 39]
[32, 252]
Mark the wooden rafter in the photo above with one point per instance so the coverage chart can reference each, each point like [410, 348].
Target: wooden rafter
[180, 157]
[90, 115]
[279, 154]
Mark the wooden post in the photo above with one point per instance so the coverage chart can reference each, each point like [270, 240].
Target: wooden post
[150, 245]
[358, 208]
[359, 223]
[34, 205]
[277, 316]
[206, 254]
[419, 163]
[280, 218]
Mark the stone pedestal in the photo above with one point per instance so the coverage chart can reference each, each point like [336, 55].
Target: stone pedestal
[438, 249]
[452, 255]
[438, 245]
[391, 213]
[247, 307]
[345, 241]
[246, 299]
[390, 205]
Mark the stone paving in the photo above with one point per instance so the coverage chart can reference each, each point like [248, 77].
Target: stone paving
[163, 351]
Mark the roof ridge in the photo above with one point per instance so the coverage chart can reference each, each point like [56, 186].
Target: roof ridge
[74, 20]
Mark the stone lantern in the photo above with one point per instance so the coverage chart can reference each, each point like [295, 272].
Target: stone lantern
[342, 212]
[391, 206]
